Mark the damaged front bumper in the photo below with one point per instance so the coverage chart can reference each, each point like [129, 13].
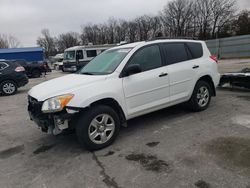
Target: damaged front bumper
[52, 123]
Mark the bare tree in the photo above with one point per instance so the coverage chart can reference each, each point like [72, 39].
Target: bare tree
[47, 42]
[222, 13]
[176, 17]
[242, 23]
[191, 18]
[3, 41]
[13, 42]
[8, 41]
[132, 31]
[67, 40]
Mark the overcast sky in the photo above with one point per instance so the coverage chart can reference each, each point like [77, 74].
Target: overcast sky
[25, 19]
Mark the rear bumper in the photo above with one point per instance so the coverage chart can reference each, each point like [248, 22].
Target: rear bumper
[216, 80]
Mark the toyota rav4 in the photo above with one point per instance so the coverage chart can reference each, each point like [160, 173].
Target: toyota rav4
[122, 83]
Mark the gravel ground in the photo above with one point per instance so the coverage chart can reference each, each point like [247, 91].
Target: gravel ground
[171, 148]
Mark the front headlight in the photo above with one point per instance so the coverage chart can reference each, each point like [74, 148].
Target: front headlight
[56, 104]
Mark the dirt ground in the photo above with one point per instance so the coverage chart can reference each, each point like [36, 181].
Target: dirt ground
[171, 148]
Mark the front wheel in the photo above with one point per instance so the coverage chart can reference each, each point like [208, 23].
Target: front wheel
[8, 87]
[98, 127]
[201, 96]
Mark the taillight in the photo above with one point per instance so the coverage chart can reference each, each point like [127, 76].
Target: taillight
[20, 69]
[214, 58]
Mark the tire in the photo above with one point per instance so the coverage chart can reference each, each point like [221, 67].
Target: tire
[8, 87]
[93, 122]
[36, 73]
[201, 96]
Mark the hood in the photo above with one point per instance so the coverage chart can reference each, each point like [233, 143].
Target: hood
[63, 85]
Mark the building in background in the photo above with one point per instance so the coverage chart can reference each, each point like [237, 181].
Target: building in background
[33, 54]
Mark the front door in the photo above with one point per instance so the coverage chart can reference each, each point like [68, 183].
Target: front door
[149, 88]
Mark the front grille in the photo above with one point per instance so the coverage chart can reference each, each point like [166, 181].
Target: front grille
[34, 106]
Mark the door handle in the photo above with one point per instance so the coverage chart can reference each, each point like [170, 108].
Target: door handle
[196, 66]
[163, 74]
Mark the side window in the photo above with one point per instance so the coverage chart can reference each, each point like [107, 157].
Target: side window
[3, 66]
[195, 49]
[79, 54]
[175, 52]
[148, 58]
[91, 53]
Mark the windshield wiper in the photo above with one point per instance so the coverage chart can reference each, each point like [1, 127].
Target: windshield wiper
[87, 73]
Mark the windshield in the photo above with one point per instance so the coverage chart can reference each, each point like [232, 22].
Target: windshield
[106, 62]
[69, 55]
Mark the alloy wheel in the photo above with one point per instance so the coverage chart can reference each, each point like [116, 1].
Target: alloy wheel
[101, 129]
[203, 96]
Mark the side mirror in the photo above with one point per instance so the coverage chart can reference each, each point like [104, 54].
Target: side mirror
[132, 69]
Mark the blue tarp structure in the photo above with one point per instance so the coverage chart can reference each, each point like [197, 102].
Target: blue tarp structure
[28, 54]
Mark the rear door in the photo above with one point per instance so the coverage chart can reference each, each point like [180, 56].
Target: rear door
[182, 70]
[150, 88]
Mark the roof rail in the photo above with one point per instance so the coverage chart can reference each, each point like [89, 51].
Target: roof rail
[161, 38]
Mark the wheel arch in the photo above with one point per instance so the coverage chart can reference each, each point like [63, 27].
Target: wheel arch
[209, 80]
[111, 102]
[9, 79]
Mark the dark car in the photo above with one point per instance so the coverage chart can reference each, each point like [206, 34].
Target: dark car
[33, 69]
[12, 76]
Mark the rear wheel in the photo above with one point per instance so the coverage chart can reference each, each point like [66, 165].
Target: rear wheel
[201, 96]
[98, 127]
[8, 87]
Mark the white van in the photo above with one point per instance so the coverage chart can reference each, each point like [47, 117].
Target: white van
[78, 56]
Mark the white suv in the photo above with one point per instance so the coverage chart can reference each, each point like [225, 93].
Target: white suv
[122, 83]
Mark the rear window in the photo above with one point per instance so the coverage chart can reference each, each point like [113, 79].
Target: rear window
[175, 52]
[3, 65]
[195, 49]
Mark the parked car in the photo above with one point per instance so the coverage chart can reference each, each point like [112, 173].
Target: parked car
[58, 65]
[12, 76]
[122, 83]
[33, 69]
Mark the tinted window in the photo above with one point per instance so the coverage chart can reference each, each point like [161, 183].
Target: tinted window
[91, 53]
[3, 65]
[176, 52]
[148, 58]
[195, 49]
[80, 54]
